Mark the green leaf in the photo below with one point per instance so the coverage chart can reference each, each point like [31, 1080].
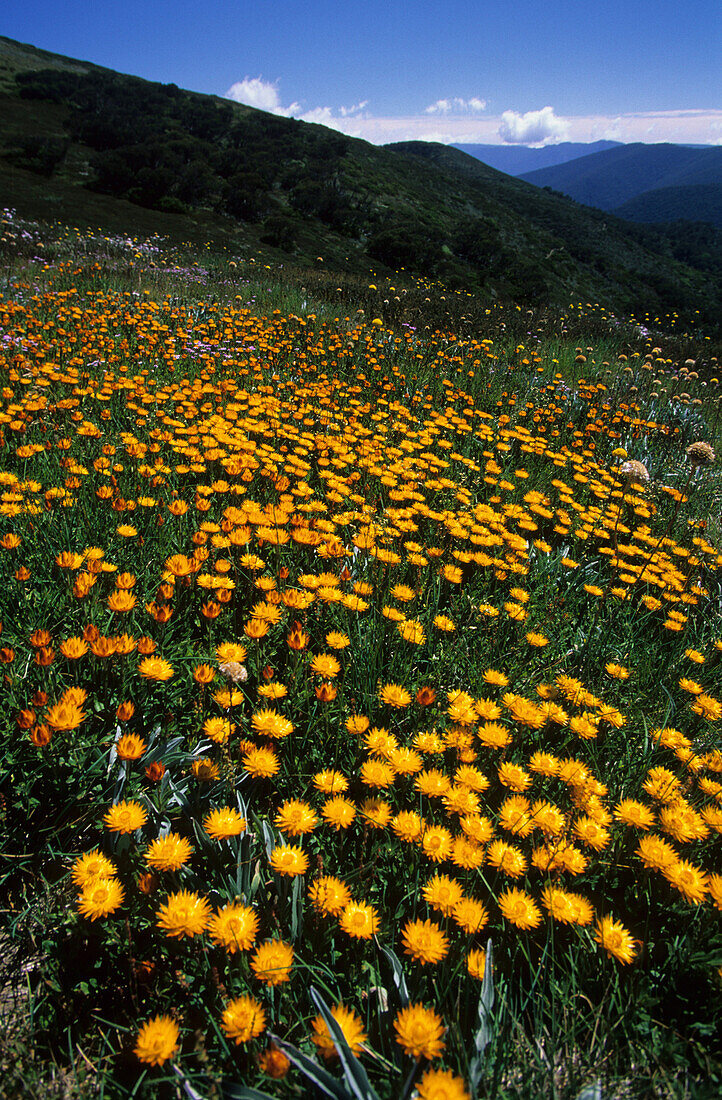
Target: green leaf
[269, 838]
[297, 900]
[398, 973]
[231, 1090]
[591, 1092]
[354, 1073]
[310, 1069]
[485, 1031]
[188, 1089]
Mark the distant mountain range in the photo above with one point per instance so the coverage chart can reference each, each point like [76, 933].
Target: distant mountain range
[88, 146]
[647, 183]
[515, 160]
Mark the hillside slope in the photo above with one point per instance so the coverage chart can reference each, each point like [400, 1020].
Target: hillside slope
[84, 144]
[698, 202]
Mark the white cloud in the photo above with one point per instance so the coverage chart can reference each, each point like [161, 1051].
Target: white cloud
[357, 108]
[461, 121]
[260, 93]
[532, 128]
[256, 92]
[455, 105]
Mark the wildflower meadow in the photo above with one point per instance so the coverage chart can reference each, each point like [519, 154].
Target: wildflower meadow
[361, 679]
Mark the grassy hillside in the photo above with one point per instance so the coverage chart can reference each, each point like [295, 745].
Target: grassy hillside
[90, 146]
[613, 177]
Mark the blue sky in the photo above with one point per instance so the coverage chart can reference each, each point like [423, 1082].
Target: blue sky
[451, 70]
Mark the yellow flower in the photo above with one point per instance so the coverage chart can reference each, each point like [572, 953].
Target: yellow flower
[130, 747]
[714, 885]
[525, 712]
[260, 763]
[376, 773]
[615, 939]
[270, 723]
[121, 601]
[125, 817]
[73, 648]
[184, 914]
[296, 818]
[224, 822]
[442, 1084]
[407, 826]
[680, 821]
[243, 1019]
[168, 853]
[338, 812]
[64, 716]
[289, 860]
[92, 865]
[591, 833]
[234, 927]
[635, 814]
[691, 881]
[470, 915]
[330, 782]
[329, 895]
[496, 679]
[476, 963]
[155, 668]
[100, 896]
[271, 962]
[419, 1032]
[351, 1026]
[424, 941]
[412, 631]
[324, 664]
[509, 860]
[707, 707]
[511, 775]
[437, 843]
[519, 909]
[255, 629]
[231, 652]
[157, 1040]
[218, 729]
[432, 783]
[273, 1062]
[442, 893]
[359, 920]
[394, 695]
[376, 812]
[205, 770]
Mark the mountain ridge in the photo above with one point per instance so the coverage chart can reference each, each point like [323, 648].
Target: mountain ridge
[614, 177]
[515, 160]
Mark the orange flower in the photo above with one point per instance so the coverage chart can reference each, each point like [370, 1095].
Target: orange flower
[425, 696]
[155, 668]
[130, 747]
[297, 638]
